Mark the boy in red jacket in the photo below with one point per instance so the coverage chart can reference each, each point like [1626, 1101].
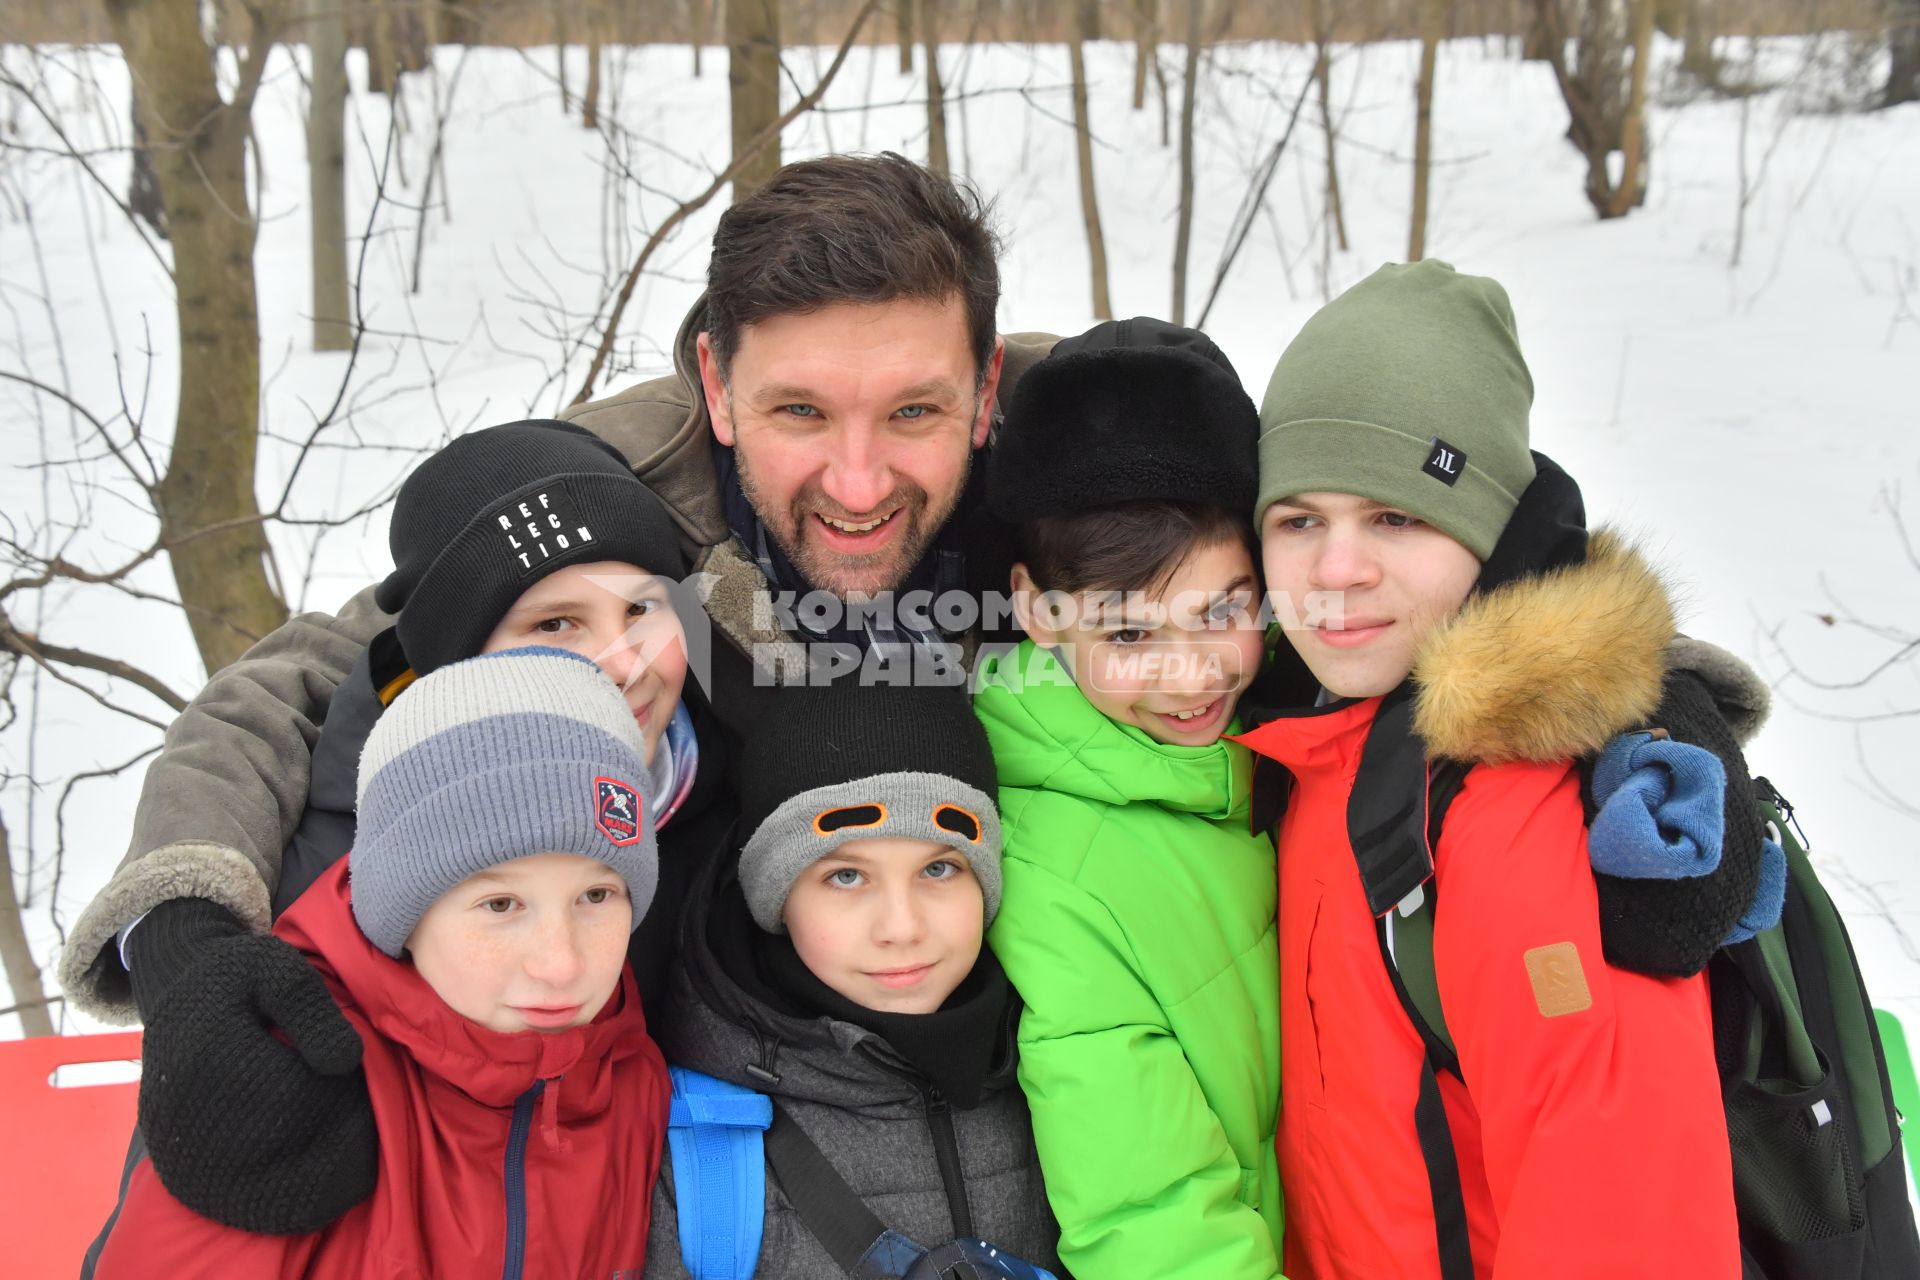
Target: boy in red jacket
[476, 938]
[1584, 1120]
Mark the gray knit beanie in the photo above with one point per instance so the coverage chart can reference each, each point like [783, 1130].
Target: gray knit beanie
[1408, 389]
[498, 757]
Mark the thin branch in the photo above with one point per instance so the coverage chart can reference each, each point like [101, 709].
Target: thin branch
[753, 148]
[31, 646]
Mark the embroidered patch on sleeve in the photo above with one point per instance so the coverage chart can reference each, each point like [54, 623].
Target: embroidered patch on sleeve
[1559, 981]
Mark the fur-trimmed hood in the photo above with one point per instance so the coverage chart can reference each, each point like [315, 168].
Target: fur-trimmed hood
[1548, 666]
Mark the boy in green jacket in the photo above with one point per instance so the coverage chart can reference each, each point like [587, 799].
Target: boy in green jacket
[1137, 920]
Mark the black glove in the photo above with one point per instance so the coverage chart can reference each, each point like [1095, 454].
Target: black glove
[1671, 928]
[252, 1100]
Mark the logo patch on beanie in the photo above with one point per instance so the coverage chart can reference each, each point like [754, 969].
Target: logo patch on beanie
[540, 524]
[1445, 463]
[616, 810]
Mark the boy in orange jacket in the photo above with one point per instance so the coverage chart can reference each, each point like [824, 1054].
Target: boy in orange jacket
[1582, 1118]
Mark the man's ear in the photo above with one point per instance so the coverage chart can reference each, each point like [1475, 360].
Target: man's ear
[719, 412]
[1026, 610]
[989, 390]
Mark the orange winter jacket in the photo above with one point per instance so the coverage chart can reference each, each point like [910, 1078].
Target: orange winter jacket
[1589, 1130]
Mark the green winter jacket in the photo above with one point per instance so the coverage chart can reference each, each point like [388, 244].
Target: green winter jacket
[1137, 924]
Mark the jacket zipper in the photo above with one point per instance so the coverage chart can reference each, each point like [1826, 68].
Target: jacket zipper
[946, 1152]
[946, 1144]
[516, 1178]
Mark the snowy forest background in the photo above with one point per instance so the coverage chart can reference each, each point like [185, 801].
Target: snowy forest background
[466, 214]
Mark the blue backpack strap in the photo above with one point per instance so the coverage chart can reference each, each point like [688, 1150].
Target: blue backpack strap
[716, 1139]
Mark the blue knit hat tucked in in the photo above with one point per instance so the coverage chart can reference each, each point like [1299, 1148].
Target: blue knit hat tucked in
[498, 757]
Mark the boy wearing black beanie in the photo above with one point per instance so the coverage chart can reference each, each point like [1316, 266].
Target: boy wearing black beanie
[532, 533]
[1138, 922]
[837, 965]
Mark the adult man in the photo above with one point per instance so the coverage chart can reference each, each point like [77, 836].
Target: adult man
[830, 390]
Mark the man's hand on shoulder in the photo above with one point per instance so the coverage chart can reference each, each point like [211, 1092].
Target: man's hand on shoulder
[252, 1100]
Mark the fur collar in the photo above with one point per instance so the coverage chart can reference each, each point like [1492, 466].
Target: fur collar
[1548, 667]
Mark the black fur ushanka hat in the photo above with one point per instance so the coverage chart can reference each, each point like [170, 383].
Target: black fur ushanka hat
[1130, 411]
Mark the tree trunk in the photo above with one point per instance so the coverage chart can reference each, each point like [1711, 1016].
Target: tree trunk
[143, 189]
[1183, 227]
[1146, 23]
[23, 972]
[699, 25]
[208, 512]
[936, 92]
[1432, 19]
[590, 99]
[560, 52]
[1903, 42]
[327, 174]
[1089, 202]
[903, 21]
[1635, 145]
[753, 86]
[382, 71]
[1323, 76]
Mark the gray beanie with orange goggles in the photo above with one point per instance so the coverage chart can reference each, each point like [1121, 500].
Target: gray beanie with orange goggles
[835, 763]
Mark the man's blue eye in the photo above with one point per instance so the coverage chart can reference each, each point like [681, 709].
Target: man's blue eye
[800, 410]
[914, 411]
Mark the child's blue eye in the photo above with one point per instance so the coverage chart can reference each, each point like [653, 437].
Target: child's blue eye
[845, 877]
[941, 870]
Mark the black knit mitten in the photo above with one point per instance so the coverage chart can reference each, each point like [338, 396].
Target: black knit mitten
[1671, 928]
[252, 1100]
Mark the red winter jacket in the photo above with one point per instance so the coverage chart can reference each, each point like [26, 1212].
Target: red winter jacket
[529, 1155]
[1591, 1141]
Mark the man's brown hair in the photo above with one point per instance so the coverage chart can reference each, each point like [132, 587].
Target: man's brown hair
[852, 229]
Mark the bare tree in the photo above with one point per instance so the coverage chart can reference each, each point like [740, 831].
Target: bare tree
[744, 154]
[590, 96]
[1903, 42]
[1146, 34]
[1433, 19]
[753, 89]
[1323, 74]
[903, 33]
[1605, 92]
[327, 172]
[1083, 144]
[1183, 224]
[16, 956]
[210, 518]
[936, 91]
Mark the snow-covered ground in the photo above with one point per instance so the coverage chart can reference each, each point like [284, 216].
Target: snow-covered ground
[1754, 424]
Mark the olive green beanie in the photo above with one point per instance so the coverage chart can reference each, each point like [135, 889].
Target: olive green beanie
[1408, 389]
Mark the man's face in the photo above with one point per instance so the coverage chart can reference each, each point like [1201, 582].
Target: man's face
[852, 427]
[1358, 585]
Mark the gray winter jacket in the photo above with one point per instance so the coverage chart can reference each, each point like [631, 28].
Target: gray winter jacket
[225, 794]
[866, 1109]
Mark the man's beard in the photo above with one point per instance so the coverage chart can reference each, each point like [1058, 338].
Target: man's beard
[845, 575]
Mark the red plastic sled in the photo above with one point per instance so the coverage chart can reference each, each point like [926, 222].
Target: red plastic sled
[62, 1147]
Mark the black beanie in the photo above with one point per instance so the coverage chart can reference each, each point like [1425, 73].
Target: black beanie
[844, 761]
[1130, 411]
[499, 509]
